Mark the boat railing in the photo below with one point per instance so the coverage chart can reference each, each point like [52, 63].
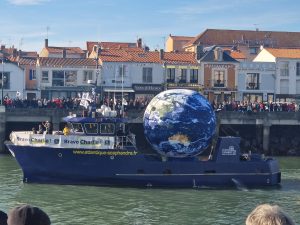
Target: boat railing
[126, 141]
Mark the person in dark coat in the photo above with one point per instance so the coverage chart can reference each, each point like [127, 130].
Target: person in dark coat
[3, 218]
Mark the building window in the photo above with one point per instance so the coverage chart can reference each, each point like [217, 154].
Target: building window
[45, 76]
[147, 75]
[58, 78]
[194, 76]
[219, 78]
[70, 78]
[253, 50]
[171, 75]
[32, 74]
[252, 81]
[6, 77]
[122, 71]
[298, 68]
[64, 78]
[87, 75]
[182, 78]
[284, 69]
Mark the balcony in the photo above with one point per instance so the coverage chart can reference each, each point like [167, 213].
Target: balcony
[252, 86]
[219, 83]
[194, 86]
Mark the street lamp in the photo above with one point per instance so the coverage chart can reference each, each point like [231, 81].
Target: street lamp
[2, 80]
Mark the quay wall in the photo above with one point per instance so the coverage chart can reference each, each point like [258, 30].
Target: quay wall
[267, 132]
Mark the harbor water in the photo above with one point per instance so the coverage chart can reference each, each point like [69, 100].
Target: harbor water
[83, 205]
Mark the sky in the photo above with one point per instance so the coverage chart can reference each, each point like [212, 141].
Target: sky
[70, 23]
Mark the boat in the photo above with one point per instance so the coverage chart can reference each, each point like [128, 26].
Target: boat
[102, 151]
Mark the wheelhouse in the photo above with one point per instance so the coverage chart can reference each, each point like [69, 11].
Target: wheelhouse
[97, 126]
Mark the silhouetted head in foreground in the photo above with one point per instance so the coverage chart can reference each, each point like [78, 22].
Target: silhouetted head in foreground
[3, 218]
[27, 215]
[266, 214]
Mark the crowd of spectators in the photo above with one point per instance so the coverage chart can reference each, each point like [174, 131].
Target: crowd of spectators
[140, 103]
[256, 106]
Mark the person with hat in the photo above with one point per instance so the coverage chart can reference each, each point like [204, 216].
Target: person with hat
[27, 215]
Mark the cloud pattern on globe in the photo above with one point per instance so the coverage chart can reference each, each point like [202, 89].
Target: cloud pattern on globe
[179, 123]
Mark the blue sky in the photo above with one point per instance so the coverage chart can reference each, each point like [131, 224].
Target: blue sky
[73, 22]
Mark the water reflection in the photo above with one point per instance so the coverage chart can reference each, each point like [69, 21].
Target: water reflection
[98, 205]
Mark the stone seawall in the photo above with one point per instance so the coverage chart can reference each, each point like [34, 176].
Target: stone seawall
[266, 132]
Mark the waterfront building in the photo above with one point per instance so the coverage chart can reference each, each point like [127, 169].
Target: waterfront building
[137, 72]
[247, 42]
[176, 43]
[12, 79]
[218, 73]
[287, 73]
[131, 73]
[65, 77]
[27, 61]
[182, 70]
[256, 82]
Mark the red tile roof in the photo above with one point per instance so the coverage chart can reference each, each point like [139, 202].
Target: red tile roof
[237, 55]
[180, 58]
[121, 55]
[26, 61]
[64, 62]
[228, 37]
[284, 53]
[69, 50]
[109, 45]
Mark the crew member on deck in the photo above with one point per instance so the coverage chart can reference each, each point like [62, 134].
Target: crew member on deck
[66, 130]
[48, 127]
[40, 130]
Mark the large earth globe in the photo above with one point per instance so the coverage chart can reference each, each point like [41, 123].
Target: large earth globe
[179, 123]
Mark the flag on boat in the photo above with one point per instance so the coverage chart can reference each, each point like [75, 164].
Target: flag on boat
[85, 99]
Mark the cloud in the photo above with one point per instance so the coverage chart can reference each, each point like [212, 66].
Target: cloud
[26, 2]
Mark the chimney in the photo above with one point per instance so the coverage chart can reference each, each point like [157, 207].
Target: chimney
[20, 52]
[218, 53]
[139, 43]
[2, 47]
[14, 53]
[161, 54]
[99, 50]
[64, 53]
[199, 52]
[95, 48]
[46, 43]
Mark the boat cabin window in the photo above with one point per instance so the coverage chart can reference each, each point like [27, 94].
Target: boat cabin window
[121, 126]
[77, 127]
[107, 128]
[91, 128]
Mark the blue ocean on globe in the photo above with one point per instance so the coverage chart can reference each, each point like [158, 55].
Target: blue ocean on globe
[179, 123]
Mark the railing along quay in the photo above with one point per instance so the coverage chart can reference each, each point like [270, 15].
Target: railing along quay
[35, 115]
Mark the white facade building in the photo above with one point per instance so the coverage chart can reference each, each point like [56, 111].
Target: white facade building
[63, 77]
[13, 80]
[287, 85]
[256, 82]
